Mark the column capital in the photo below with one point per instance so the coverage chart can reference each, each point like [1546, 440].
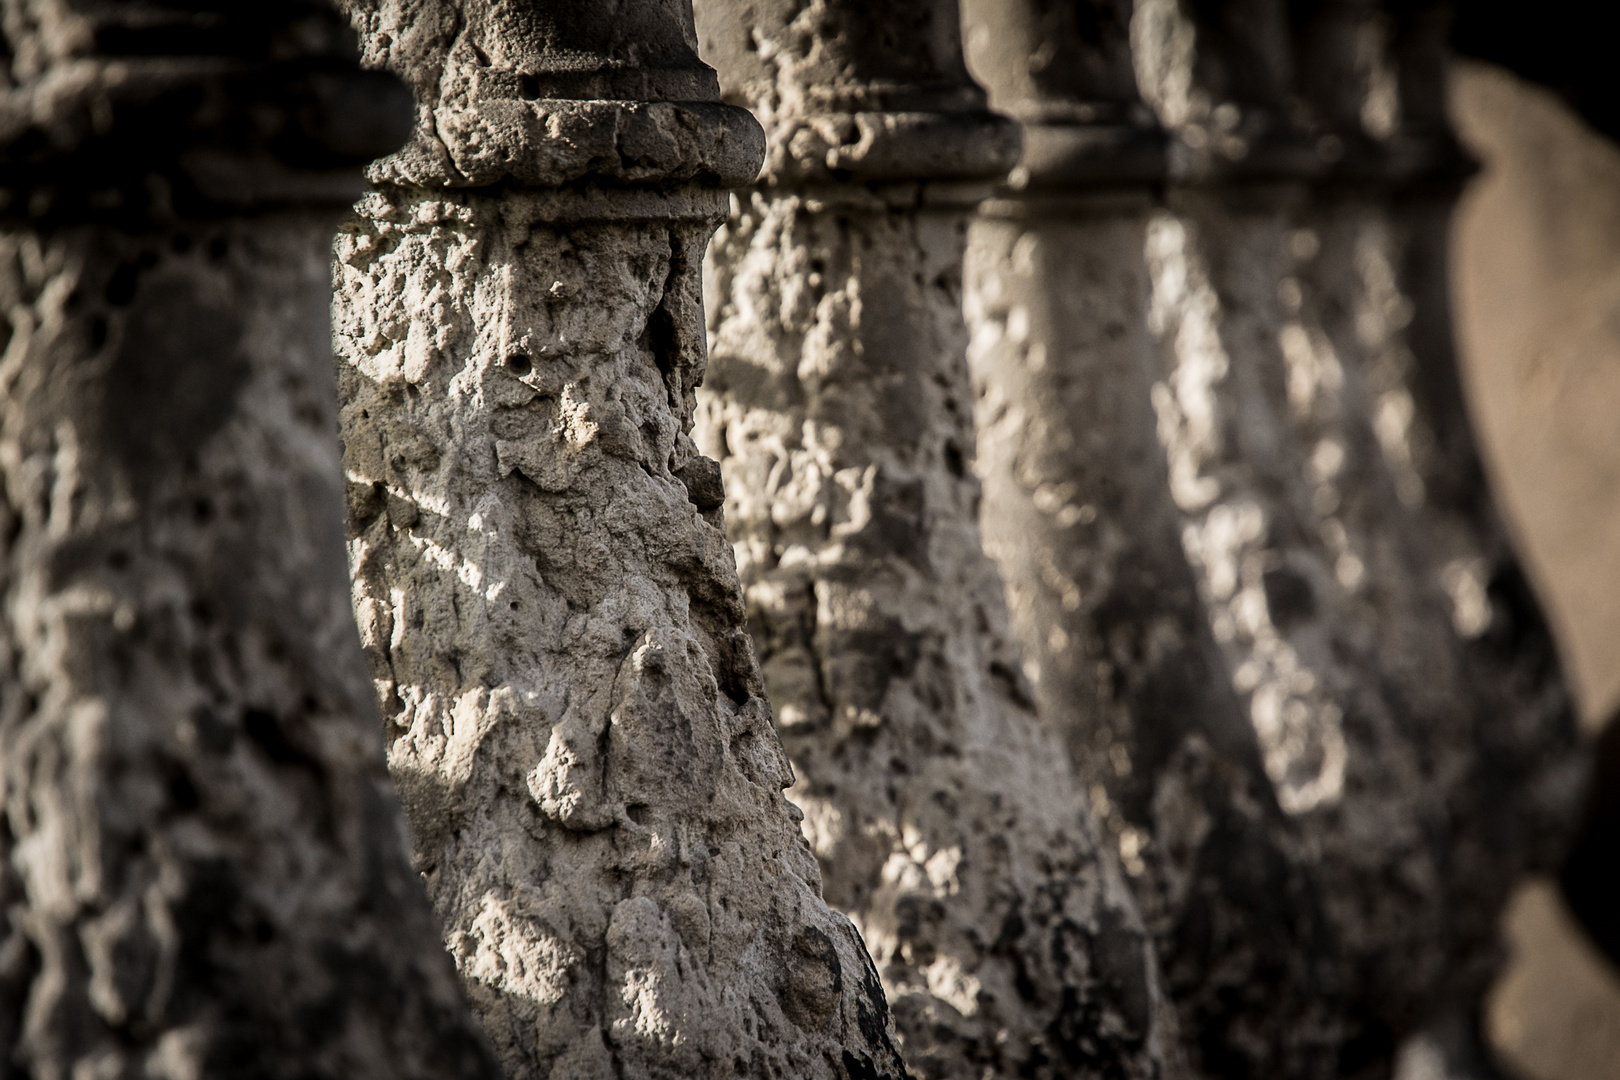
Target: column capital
[146, 111]
[1366, 95]
[1064, 71]
[1220, 76]
[557, 94]
[850, 90]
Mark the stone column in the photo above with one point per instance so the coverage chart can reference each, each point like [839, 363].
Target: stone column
[576, 719]
[1078, 513]
[1467, 633]
[838, 401]
[1424, 770]
[203, 868]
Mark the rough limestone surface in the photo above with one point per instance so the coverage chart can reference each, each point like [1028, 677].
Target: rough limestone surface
[203, 868]
[204, 853]
[1395, 668]
[946, 818]
[1078, 515]
[576, 719]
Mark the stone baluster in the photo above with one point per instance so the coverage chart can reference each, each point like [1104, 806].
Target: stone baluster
[839, 404]
[203, 868]
[1079, 515]
[576, 719]
[1462, 645]
[1422, 774]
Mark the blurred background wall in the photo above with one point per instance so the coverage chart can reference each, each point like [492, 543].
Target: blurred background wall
[1536, 285]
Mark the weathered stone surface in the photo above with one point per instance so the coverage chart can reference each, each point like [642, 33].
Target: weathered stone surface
[1078, 515]
[946, 818]
[1120, 654]
[1395, 666]
[1377, 739]
[205, 871]
[577, 723]
[550, 94]
[947, 821]
[844, 90]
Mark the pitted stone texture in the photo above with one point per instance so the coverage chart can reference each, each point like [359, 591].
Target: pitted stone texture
[946, 818]
[550, 94]
[1406, 699]
[206, 871]
[1077, 514]
[848, 88]
[576, 719]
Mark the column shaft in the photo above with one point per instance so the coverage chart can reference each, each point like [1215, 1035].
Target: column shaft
[576, 718]
[946, 818]
[206, 872]
[1333, 508]
[1079, 515]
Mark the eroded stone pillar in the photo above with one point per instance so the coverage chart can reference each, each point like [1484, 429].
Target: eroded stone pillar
[1079, 515]
[1426, 764]
[203, 868]
[946, 818]
[576, 719]
[1460, 625]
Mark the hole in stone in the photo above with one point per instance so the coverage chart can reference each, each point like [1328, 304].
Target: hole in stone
[529, 88]
[519, 364]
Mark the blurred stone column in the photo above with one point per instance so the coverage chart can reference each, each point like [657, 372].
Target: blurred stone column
[203, 868]
[576, 718]
[838, 401]
[1079, 515]
[1424, 773]
[1462, 634]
